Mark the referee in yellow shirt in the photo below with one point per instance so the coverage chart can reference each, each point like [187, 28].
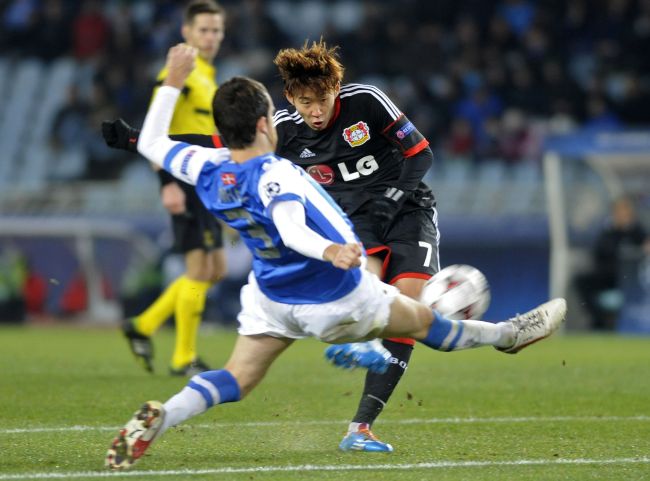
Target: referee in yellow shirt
[197, 233]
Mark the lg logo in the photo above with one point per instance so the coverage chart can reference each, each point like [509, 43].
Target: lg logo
[365, 166]
[323, 174]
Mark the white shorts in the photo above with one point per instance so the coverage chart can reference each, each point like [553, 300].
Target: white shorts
[359, 315]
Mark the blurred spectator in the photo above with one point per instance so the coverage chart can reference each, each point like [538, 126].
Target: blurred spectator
[634, 105]
[599, 115]
[599, 288]
[477, 107]
[524, 93]
[460, 142]
[75, 128]
[515, 140]
[70, 120]
[18, 25]
[91, 30]
[569, 64]
[53, 27]
[519, 15]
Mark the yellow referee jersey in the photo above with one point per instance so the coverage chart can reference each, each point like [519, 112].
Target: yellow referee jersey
[193, 114]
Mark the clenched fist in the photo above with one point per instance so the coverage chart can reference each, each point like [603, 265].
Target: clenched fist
[181, 60]
[343, 256]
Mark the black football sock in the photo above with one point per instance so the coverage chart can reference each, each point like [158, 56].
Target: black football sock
[379, 387]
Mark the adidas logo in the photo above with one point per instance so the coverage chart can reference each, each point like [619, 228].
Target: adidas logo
[305, 154]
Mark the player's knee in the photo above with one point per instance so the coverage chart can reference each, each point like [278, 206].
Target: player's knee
[411, 287]
[215, 266]
[412, 291]
[424, 317]
[218, 273]
[198, 275]
[198, 271]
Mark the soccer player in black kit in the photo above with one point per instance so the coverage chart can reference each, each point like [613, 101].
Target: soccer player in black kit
[371, 159]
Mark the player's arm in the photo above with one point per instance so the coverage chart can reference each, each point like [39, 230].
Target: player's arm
[289, 218]
[415, 149]
[400, 132]
[120, 135]
[182, 160]
[282, 192]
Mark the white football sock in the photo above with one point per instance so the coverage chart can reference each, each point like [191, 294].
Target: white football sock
[481, 333]
[184, 405]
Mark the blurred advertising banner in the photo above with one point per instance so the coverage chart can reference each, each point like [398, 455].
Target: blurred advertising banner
[591, 142]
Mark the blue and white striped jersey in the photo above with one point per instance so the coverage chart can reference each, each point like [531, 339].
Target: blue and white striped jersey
[242, 195]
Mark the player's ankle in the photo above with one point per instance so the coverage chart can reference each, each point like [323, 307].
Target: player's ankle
[507, 338]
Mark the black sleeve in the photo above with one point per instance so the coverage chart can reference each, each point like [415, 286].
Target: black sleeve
[195, 139]
[403, 135]
[414, 168]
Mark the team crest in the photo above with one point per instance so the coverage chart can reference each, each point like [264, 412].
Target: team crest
[357, 134]
[228, 178]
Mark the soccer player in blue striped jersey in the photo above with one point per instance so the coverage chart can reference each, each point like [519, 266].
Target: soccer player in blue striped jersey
[308, 278]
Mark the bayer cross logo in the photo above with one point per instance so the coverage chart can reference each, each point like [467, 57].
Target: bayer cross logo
[357, 134]
[272, 189]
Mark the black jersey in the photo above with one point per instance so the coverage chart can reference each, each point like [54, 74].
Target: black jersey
[360, 153]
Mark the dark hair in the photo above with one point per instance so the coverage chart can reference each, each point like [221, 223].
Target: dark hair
[237, 106]
[198, 7]
[315, 67]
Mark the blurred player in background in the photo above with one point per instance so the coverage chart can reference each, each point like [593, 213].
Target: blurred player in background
[623, 232]
[307, 279]
[197, 234]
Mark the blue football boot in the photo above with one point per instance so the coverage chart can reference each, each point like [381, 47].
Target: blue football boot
[363, 440]
[370, 355]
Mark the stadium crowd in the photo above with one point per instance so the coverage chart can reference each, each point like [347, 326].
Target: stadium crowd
[482, 80]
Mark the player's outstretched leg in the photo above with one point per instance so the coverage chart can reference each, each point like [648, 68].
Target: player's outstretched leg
[150, 421]
[444, 334]
[509, 336]
[136, 436]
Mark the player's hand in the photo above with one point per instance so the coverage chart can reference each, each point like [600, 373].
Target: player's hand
[120, 135]
[173, 198]
[386, 207]
[343, 256]
[181, 60]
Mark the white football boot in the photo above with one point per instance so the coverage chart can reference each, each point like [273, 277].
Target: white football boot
[136, 436]
[536, 324]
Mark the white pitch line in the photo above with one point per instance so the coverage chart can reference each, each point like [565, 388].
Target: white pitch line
[325, 467]
[257, 424]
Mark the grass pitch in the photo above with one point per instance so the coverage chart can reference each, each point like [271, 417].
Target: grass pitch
[570, 408]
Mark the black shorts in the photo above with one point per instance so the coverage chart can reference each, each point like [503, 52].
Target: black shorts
[196, 228]
[409, 247]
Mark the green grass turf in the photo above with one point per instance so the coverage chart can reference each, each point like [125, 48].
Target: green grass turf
[62, 377]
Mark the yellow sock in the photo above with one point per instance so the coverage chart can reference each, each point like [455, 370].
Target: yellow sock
[189, 308]
[157, 313]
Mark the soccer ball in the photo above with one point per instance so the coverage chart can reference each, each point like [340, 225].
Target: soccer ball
[458, 292]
